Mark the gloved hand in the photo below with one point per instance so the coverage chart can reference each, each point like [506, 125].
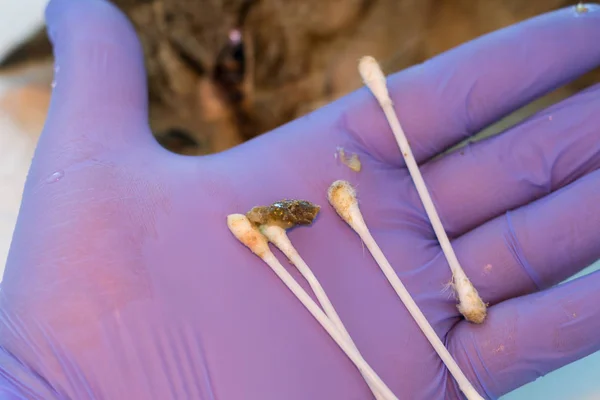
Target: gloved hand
[124, 282]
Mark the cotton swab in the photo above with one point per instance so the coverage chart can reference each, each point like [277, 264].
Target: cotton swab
[273, 221]
[241, 227]
[278, 236]
[342, 197]
[470, 304]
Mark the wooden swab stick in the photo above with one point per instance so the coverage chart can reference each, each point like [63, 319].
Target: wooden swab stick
[470, 304]
[278, 236]
[250, 236]
[342, 197]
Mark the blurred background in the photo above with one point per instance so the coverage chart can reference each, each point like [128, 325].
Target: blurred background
[183, 122]
[18, 18]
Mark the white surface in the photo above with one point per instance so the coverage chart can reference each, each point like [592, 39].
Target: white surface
[16, 151]
[578, 381]
[18, 18]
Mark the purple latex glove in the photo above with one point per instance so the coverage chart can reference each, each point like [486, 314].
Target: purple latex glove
[124, 282]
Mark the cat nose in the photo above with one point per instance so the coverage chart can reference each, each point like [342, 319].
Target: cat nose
[178, 140]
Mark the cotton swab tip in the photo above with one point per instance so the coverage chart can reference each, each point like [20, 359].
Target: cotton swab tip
[241, 227]
[342, 196]
[470, 304]
[374, 79]
[278, 236]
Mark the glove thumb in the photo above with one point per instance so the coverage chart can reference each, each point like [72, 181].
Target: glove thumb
[99, 101]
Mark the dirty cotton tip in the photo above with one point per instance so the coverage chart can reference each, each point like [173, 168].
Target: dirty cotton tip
[241, 227]
[342, 197]
[470, 304]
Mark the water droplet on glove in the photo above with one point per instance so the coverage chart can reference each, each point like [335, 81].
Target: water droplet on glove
[55, 177]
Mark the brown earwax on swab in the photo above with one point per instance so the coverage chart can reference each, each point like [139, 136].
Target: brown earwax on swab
[249, 235]
[342, 197]
[272, 222]
[470, 304]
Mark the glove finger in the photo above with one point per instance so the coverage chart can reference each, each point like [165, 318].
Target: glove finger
[536, 246]
[99, 100]
[526, 338]
[532, 160]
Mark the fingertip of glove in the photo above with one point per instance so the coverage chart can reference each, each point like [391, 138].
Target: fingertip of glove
[81, 23]
[58, 12]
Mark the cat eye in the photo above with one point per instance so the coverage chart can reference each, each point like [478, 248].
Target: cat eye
[230, 68]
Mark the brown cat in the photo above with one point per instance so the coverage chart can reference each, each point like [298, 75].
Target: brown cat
[223, 71]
